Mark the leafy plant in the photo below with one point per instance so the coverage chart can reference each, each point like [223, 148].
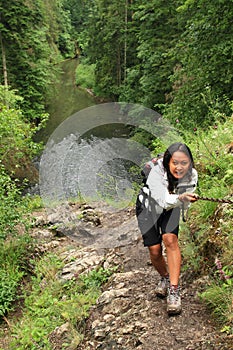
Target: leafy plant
[13, 265]
[11, 210]
[85, 76]
[50, 302]
[219, 300]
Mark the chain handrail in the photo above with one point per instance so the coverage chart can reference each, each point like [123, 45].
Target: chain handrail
[219, 200]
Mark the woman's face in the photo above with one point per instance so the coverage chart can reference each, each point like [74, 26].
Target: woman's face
[179, 164]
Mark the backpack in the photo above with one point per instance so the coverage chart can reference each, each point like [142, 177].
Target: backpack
[148, 166]
[144, 196]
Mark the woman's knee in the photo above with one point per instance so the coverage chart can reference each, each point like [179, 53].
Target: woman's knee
[155, 251]
[170, 241]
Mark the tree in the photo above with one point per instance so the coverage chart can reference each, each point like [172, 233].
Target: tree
[156, 29]
[32, 33]
[107, 44]
[4, 61]
[203, 79]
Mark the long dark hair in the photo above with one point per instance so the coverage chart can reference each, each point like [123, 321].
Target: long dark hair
[181, 147]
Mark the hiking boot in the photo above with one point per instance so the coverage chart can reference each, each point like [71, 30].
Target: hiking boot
[173, 301]
[161, 290]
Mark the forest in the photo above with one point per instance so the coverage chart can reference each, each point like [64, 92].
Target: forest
[172, 57]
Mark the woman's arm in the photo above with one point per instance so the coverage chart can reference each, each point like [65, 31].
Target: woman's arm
[158, 183]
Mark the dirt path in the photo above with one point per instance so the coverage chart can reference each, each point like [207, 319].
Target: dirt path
[129, 315]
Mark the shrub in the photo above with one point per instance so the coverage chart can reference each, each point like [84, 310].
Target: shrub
[51, 303]
[11, 211]
[13, 263]
[85, 75]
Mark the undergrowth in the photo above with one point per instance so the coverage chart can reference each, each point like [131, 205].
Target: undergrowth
[208, 242]
[50, 302]
[85, 75]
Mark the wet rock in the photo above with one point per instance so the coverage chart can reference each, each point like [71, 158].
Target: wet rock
[91, 215]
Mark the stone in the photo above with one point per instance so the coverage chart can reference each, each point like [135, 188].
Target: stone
[108, 295]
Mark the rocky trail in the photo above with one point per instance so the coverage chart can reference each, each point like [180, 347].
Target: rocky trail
[127, 315]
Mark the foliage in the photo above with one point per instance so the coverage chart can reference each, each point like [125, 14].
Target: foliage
[175, 58]
[16, 148]
[79, 12]
[209, 236]
[51, 303]
[13, 258]
[34, 203]
[218, 297]
[156, 32]
[34, 35]
[9, 97]
[17, 145]
[9, 282]
[108, 44]
[85, 76]
[11, 211]
[203, 77]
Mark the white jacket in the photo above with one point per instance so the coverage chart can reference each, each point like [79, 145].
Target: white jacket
[158, 185]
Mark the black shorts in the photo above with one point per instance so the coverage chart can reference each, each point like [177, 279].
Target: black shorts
[153, 226]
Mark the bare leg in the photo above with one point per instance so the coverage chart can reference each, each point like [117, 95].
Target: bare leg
[173, 257]
[157, 259]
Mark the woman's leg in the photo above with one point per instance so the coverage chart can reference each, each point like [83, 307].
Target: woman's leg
[173, 257]
[174, 263]
[158, 260]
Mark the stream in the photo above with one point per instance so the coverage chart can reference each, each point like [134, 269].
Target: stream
[66, 99]
[90, 152]
[73, 138]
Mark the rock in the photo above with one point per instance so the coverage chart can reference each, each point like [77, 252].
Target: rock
[107, 296]
[59, 336]
[82, 261]
[41, 220]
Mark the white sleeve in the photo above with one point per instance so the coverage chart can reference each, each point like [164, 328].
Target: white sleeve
[158, 185]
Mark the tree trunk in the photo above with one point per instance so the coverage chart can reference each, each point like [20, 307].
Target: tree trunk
[4, 61]
[125, 46]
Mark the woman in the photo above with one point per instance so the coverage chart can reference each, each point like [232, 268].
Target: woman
[158, 213]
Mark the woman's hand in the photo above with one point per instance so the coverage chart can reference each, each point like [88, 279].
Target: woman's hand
[188, 197]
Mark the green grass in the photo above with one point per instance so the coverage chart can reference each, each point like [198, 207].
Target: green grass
[209, 232]
[13, 265]
[50, 303]
[218, 297]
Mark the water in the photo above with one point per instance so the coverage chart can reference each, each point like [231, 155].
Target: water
[89, 151]
[96, 170]
[72, 165]
[66, 99]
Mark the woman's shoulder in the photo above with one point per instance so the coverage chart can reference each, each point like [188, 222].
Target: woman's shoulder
[157, 173]
[159, 168]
